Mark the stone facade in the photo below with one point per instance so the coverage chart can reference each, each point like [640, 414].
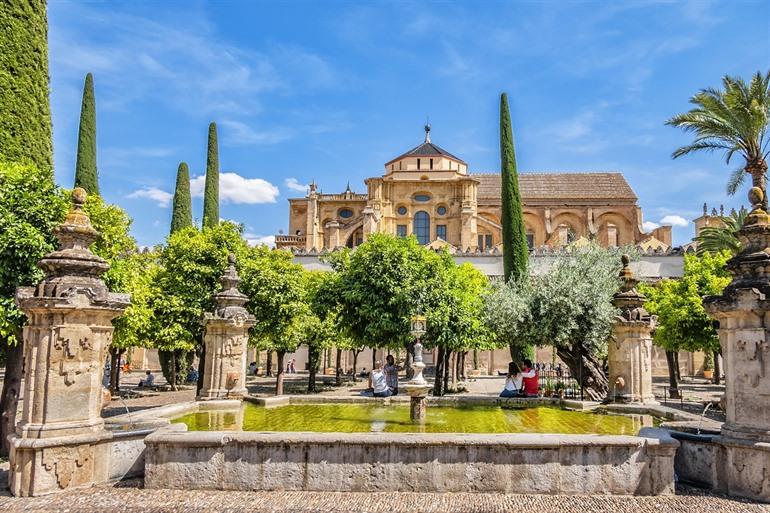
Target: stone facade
[430, 193]
[59, 440]
[629, 351]
[226, 336]
[743, 312]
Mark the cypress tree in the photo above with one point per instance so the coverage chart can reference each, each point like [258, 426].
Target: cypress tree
[25, 111]
[181, 216]
[515, 251]
[211, 193]
[86, 175]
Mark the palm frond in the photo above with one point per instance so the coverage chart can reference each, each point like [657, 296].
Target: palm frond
[714, 239]
[736, 180]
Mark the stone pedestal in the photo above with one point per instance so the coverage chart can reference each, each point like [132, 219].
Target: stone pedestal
[743, 312]
[629, 352]
[417, 387]
[226, 336]
[57, 444]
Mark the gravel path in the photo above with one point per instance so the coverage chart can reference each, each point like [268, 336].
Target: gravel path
[137, 500]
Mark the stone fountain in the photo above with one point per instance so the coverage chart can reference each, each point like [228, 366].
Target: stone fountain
[417, 387]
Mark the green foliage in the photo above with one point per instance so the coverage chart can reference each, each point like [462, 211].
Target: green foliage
[31, 206]
[387, 280]
[184, 360]
[569, 305]
[86, 175]
[682, 321]
[515, 250]
[25, 112]
[191, 264]
[114, 241]
[135, 274]
[211, 193]
[732, 120]
[275, 287]
[714, 239]
[181, 216]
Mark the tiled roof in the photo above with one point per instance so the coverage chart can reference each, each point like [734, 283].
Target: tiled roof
[560, 186]
[427, 149]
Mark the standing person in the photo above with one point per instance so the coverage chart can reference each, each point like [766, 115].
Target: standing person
[378, 382]
[391, 374]
[529, 379]
[293, 365]
[513, 382]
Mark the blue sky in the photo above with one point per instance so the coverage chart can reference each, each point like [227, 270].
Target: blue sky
[331, 91]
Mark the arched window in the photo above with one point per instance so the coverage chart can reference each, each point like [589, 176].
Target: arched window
[422, 227]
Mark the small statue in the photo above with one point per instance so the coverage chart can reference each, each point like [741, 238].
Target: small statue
[418, 351]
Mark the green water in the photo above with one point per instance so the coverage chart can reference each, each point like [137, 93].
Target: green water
[363, 418]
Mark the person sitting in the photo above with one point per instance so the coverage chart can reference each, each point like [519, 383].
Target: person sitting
[513, 382]
[253, 368]
[391, 374]
[192, 375]
[529, 378]
[378, 382]
[148, 380]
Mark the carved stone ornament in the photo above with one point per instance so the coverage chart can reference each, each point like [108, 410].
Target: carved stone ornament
[65, 461]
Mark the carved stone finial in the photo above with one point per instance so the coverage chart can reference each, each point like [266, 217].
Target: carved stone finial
[755, 197]
[231, 258]
[705, 209]
[722, 210]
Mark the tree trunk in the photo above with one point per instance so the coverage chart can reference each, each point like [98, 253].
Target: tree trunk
[338, 368]
[355, 362]
[201, 370]
[374, 357]
[461, 366]
[279, 374]
[269, 365]
[588, 371]
[758, 170]
[114, 358]
[408, 361]
[312, 364]
[9, 402]
[173, 371]
[438, 380]
[475, 359]
[673, 390]
[717, 369]
[447, 359]
[453, 365]
[676, 366]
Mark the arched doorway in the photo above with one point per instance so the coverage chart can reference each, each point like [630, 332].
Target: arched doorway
[356, 238]
[422, 227]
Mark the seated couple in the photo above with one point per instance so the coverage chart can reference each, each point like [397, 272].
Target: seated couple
[520, 383]
[384, 382]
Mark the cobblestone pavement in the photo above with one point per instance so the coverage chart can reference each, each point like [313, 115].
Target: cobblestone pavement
[137, 500]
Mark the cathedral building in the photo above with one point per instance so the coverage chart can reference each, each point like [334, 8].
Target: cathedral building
[430, 193]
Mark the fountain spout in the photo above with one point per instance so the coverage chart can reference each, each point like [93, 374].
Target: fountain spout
[417, 387]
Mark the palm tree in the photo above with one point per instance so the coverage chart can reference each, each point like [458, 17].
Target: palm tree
[733, 120]
[714, 239]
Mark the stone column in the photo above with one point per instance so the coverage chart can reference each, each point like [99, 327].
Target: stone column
[226, 336]
[58, 441]
[629, 353]
[333, 227]
[743, 312]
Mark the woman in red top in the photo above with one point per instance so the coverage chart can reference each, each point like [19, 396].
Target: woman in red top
[530, 379]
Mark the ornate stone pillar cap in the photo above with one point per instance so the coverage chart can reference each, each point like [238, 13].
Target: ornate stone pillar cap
[628, 299]
[230, 301]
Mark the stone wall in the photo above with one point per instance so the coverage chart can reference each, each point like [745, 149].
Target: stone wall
[516, 463]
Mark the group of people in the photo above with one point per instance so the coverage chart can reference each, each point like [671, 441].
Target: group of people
[521, 382]
[383, 381]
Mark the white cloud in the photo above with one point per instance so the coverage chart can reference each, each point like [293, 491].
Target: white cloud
[674, 220]
[294, 185]
[162, 198]
[233, 188]
[649, 226]
[255, 240]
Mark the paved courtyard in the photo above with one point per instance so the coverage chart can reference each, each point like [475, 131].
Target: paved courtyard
[129, 498]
